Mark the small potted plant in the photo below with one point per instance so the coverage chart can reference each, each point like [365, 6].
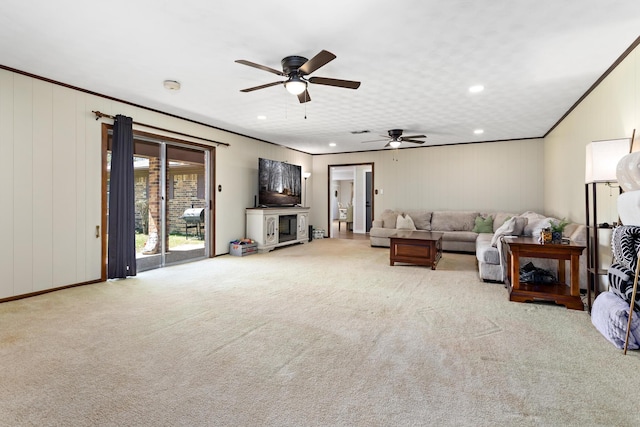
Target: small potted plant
[557, 228]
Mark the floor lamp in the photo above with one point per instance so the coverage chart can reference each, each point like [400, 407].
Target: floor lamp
[306, 175]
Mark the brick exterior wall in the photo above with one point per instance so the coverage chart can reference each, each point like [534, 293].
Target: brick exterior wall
[183, 194]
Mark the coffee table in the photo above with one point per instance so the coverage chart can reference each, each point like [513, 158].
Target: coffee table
[415, 247]
[561, 292]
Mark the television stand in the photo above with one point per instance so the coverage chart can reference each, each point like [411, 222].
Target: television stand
[271, 228]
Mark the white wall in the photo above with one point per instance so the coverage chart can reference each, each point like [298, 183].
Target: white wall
[490, 176]
[345, 192]
[50, 170]
[611, 111]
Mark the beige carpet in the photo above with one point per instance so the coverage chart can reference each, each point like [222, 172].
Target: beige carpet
[321, 334]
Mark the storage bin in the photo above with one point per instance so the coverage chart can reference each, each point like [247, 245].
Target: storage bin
[237, 249]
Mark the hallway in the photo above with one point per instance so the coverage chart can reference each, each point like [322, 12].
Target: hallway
[344, 233]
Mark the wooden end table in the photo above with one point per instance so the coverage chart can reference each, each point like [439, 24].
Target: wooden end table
[415, 247]
[560, 293]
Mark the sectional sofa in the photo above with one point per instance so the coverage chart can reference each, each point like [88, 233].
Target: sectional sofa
[478, 233]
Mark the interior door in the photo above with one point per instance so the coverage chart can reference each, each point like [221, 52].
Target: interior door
[368, 200]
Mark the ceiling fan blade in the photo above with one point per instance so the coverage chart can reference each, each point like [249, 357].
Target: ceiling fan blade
[413, 137]
[251, 89]
[415, 141]
[261, 67]
[304, 97]
[316, 62]
[388, 144]
[375, 140]
[349, 84]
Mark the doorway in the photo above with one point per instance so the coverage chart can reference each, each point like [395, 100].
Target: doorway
[172, 200]
[350, 200]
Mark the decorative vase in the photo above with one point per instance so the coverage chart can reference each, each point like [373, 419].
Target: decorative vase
[556, 237]
[545, 235]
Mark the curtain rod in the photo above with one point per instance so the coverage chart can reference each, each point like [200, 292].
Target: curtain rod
[99, 115]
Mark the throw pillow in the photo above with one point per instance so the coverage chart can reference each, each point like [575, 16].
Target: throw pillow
[389, 219]
[506, 229]
[421, 218]
[625, 243]
[499, 218]
[453, 220]
[483, 225]
[404, 222]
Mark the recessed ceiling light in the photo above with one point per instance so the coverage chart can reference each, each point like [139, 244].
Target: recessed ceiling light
[171, 85]
[476, 88]
[478, 131]
[261, 117]
[332, 144]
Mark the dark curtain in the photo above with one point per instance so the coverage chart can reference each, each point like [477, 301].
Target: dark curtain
[121, 260]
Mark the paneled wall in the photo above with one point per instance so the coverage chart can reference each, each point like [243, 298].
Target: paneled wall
[611, 111]
[48, 230]
[51, 183]
[489, 176]
[50, 173]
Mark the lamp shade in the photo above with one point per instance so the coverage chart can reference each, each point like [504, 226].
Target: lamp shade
[602, 159]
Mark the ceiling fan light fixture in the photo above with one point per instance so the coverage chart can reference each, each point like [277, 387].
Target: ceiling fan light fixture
[296, 85]
[394, 144]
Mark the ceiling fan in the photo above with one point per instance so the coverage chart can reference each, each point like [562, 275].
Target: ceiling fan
[395, 138]
[295, 68]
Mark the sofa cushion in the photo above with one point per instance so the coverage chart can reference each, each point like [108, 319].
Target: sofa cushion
[483, 224]
[485, 253]
[521, 223]
[506, 229]
[459, 236]
[389, 218]
[421, 218]
[404, 222]
[533, 222]
[453, 221]
[382, 232]
[499, 218]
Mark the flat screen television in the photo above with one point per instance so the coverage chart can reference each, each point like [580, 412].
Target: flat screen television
[280, 183]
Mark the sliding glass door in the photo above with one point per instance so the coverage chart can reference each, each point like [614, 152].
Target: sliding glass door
[186, 207]
[171, 202]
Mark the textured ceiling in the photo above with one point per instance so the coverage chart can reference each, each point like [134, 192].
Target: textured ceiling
[415, 59]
